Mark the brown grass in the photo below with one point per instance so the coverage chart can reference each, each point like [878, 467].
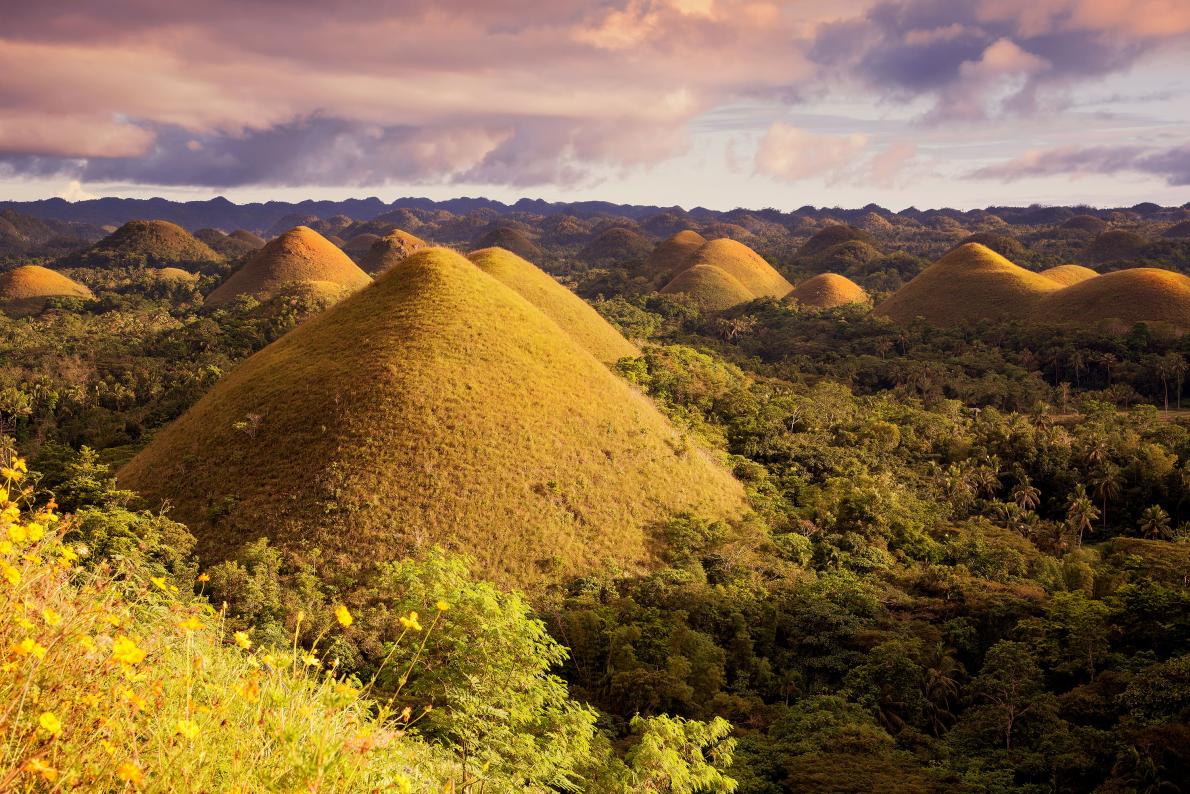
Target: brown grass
[25, 289]
[359, 245]
[572, 314]
[389, 250]
[617, 245]
[710, 287]
[826, 291]
[745, 265]
[254, 240]
[299, 255]
[969, 284]
[1142, 294]
[672, 256]
[510, 239]
[1112, 246]
[1066, 275]
[830, 236]
[155, 243]
[437, 406]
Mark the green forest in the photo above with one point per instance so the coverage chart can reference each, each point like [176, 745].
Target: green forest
[966, 566]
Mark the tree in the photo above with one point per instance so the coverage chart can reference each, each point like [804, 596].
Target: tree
[1010, 685]
[679, 756]
[1154, 522]
[1080, 512]
[1026, 496]
[1106, 481]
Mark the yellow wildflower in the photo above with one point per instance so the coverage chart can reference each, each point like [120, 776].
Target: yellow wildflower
[37, 766]
[6, 547]
[187, 729]
[35, 531]
[250, 691]
[158, 582]
[203, 578]
[310, 660]
[50, 617]
[11, 574]
[125, 651]
[344, 617]
[129, 772]
[442, 605]
[190, 624]
[17, 533]
[87, 641]
[241, 639]
[50, 723]
[29, 647]
[10, 473]
[411, 622]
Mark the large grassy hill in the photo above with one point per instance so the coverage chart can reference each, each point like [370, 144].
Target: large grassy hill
[437, 406]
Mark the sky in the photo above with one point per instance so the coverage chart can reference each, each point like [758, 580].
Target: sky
[718, 103]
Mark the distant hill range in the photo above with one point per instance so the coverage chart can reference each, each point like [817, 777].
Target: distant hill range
[219, 213]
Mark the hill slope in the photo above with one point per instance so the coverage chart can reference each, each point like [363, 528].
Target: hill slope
[437, 406]
[1142, 294]
[1067, 275]
[300, 255]
[826, 291]
[390, 249]
[149, 244]
[616, 245]
[510, 239]
[572, 314]
[710, 287]
[745, 265]
[969, 284]
[29, 285]
[672, 256]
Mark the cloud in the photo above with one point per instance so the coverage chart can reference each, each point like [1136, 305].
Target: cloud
[792, 154]
[1171, 164]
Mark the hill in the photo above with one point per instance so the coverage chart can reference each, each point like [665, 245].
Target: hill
[712, 288]
[510, 239]
[26, 288]
[1112, 246]
[745, 265]
[572, 314]
[1069, 274]
[969, 284]
[358, 246]
[1085, 223]
[244, 236]
[390, 249]
[1178, 230]
[672, 255]
[146, 244]
[616, 246]
[299, 255]
[225, 244]
[1003, 244]
[833, 235]
[23, 235]
[826, 291]
[440, 407]
[1142, 294]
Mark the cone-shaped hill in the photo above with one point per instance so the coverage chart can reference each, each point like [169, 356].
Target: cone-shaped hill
[1088, 224]
[616, 245]
[1067, 275]
[225, 244]
[358, 246]
[437, 406]
[146, 244]
[826, 291]
[245, 236]
[28, 287]
[299, 255]
[710, 287]
[745, 265]
[510, 239]
[969, 284]
[832, 235]
[1142, 294]
[389, 250]
[1115, 245]
[572, 314]
[672, 256]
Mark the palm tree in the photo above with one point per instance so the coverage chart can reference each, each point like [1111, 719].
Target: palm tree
[1107, 482]
[1080, 512]
[1078, 363]
[1154, 522]
[1026, 495]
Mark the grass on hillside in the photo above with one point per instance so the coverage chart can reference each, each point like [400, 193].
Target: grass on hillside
[969, 284]
[148, 243]
[672, 256]
[1142, 294]
[709, 287]
[114, 680]
[746, 266]
[826, 291]
[1067, 275]
[299, 256]
[440, 407]
[572, 314]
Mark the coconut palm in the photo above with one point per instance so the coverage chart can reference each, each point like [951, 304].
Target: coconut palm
[1080, 512]
[1154, 522]
[1107, 482]
[1026, 495]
